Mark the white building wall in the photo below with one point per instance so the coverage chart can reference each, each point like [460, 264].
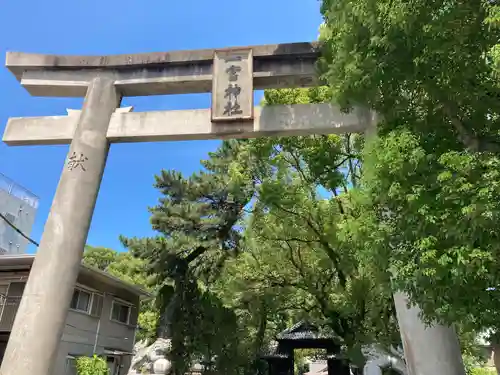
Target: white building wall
[19, 206]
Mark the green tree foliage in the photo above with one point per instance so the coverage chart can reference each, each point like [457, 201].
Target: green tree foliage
[432, 220]
[99, 257]
[427, 208]
[300, 245]
[421, 64]
[493, 21]
[301, 200]
[261, 307]
[241, 243]
[482, 371]
[120, 264]
[198, 221]
[91, 366]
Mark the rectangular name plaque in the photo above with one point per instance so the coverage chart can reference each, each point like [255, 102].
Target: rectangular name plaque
[232, 90]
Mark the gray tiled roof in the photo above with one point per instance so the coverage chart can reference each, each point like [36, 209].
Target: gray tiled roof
[302, 331]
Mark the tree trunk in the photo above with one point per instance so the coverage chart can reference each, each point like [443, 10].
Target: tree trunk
[168, 301]
[259, 339]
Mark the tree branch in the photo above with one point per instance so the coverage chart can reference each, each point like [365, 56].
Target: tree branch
[470, 140]
[199, 251]
[350, 164]
[324, 243]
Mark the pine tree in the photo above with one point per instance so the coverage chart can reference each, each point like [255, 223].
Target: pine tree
[197, 220]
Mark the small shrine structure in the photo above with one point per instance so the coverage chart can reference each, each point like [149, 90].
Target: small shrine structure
[303, 335]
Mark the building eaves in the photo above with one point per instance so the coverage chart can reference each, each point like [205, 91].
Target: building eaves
[25, 261]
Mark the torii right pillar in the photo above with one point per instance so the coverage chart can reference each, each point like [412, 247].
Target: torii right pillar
[428, 349]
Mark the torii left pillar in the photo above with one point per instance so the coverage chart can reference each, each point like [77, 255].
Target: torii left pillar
[32, 348]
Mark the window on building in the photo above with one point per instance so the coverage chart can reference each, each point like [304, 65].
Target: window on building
[16, 289]
[97, 302]
[81, 300]
[120, 312]
[86, 301]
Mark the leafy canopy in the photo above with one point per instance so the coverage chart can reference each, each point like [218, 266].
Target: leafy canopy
[427, 205]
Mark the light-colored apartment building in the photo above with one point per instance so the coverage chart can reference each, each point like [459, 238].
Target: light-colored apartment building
[102, 316]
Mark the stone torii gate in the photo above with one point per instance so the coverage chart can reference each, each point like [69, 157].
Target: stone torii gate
[231, 75]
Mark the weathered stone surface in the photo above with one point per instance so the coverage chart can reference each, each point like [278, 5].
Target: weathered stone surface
[147, 356]
[433, 349]
[232, 93]
[153, 359]
[378, 359]
[18, 62]
[162, 366]
[297, 119]
[76, 112]
[274, 66]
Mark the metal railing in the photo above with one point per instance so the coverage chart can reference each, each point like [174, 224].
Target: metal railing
[8, 310]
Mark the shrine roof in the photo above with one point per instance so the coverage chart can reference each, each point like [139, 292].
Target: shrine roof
[302, 331]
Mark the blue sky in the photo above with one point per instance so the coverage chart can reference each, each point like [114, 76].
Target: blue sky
[126, 26]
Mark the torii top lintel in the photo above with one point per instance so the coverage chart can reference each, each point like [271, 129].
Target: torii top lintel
[274, 66]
